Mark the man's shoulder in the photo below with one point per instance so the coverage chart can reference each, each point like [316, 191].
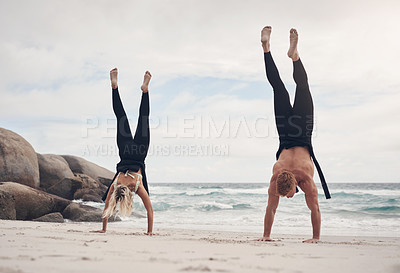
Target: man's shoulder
[272, 185]
[306, 183]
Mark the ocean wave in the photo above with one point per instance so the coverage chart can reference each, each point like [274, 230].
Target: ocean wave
[365, 213]
[204, 191]
[161, 206]
[370, 192]
[383, 209]
[346, 195]
[215, 206]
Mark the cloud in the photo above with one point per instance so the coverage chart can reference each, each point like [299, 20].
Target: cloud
[207, 65]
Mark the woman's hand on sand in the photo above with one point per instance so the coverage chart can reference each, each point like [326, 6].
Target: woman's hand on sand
[98, 231]
[311, 241]
[264, 239]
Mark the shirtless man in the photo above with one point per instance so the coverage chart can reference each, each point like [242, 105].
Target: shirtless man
[294, 166]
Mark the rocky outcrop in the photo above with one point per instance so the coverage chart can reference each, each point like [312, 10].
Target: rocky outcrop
[52, 169]
[20, 202]
[62, 178]
[18, 160]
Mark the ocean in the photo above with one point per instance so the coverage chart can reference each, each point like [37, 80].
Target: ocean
[355, 209]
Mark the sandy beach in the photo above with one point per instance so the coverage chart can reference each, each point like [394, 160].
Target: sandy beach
[27, 246]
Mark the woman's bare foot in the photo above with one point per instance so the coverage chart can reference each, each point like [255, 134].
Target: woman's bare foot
[114, 78]
[265, 37]
[294, 38]
[146, 80]
[311, 241]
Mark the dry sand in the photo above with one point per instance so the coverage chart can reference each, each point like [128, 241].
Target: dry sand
[69, 247]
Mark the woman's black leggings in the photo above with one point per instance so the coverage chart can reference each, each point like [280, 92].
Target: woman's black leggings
[296, 121]
[132, 148]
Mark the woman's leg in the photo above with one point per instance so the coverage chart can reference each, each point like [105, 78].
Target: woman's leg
[142, 134]
[123, 129]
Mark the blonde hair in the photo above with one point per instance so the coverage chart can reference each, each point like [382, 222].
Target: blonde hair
[285, 183]
[124, 196]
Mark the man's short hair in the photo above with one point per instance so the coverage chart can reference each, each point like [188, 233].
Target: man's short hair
[285, 183]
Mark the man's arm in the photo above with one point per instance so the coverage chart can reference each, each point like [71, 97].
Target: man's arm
[273, 201]
[311, 195]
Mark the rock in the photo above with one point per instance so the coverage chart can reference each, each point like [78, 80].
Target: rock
[106, 181]
[91, 190]
[66, 188]
[80, 187]
[54, 217]
[87, 196]
[82, 213]
[52, 169]
[18, 159]
[81, 166]
[30, 203]
[7, 206]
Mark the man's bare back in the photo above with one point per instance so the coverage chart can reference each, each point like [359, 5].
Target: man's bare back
[296, 160]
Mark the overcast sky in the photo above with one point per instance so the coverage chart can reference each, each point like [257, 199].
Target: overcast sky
[211, 106]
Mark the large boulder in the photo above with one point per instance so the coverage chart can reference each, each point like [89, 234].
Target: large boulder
[20, 202]
[66, 188]
[81, 166]
[53, 169]
[82, 213]
[80, 187]
[30, 203]
[91, 189]
[18, 159]
[54, 217]
[7, 206]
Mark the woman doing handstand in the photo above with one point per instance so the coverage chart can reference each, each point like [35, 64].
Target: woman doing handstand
[131, 175]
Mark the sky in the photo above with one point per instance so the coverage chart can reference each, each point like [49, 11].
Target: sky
[211, 105]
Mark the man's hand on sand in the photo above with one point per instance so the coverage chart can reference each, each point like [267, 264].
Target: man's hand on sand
[264, 239]
[311, 241]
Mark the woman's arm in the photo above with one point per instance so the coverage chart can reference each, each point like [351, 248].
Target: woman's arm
[105, 219]
[147, 204]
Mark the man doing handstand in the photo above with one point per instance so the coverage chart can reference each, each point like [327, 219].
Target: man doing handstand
[294, 166]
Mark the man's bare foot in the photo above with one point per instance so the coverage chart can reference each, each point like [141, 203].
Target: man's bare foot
[292, 52]
[146, 80]
[114, 78]
[265, 37]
